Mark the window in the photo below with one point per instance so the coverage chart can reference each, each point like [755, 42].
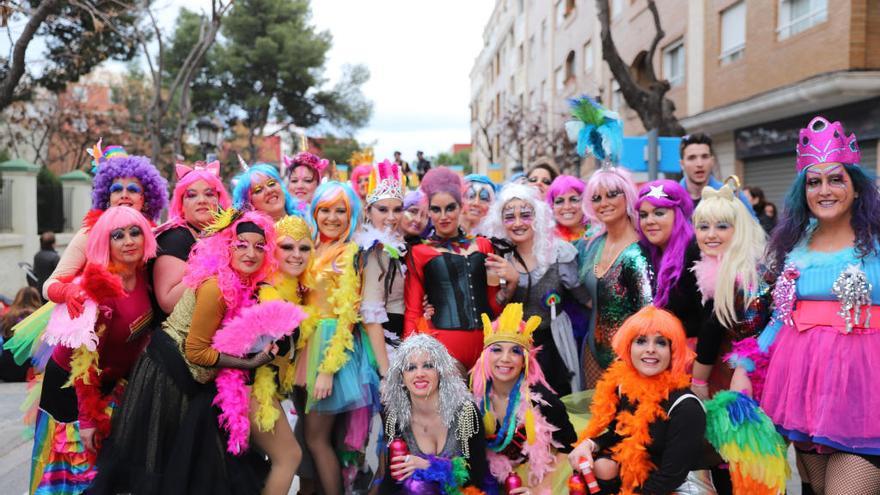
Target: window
[733, 32]
[616, 8]
[532, 47]
[559, 77]
[617, 100]
[569, 7]
[560, 12]
[799, 15]
[673, 63]
[79, 93]
[519, 5]
[544, 32]
[532, 98]
[522, 56]
[569, 67]
[543, 95]
[588, 57]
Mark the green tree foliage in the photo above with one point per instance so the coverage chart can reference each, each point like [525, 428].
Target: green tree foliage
[50, 198]
[339, 149]
[269, 66]
[463, 158]
[77, 35]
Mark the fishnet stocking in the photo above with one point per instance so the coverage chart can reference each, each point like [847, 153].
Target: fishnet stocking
[839, 474]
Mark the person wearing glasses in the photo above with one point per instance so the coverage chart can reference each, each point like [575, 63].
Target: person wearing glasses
[120, 180]
[613, 266]
[697, 166]
[541, 175]
[95, 356]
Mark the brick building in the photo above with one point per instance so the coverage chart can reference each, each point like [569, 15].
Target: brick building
[749, 72]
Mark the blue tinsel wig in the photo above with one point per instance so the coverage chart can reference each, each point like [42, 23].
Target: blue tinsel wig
[241, 194]
[155, 186]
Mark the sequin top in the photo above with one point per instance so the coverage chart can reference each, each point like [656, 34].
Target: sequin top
[621, 291]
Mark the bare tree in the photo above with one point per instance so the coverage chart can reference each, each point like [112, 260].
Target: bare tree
[642, 90]
[16, 68]
[176, 95]
[530, 138]
[484, 145]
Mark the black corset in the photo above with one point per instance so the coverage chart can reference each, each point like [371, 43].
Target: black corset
[456, 287]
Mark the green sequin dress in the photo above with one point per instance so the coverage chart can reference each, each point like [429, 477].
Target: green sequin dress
[621, 291]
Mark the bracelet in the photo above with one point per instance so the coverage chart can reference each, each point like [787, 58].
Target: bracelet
[698, 382]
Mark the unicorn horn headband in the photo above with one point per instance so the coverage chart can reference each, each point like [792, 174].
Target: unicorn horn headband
[100, 154]
[244, 166]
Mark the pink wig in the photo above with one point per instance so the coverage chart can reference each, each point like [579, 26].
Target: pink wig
[610, 179]
[357, 173]
[442, 180]
[118, 217]
[187, 176]
[212, 257]
[562, 185]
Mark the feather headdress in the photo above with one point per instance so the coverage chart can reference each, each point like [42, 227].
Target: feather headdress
[598, 131]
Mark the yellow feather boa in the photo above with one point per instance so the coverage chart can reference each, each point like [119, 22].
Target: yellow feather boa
[647, 393]
[264, 390]
[344, 300]
[81, 362]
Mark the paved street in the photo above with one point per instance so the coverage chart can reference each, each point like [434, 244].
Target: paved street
[15, 449]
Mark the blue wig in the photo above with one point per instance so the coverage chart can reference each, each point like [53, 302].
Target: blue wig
[796, 221]
[241, 194]
[481, 179]
[327, 194]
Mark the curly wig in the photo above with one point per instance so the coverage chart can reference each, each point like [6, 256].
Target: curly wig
[648, 320]
[442, 180]
[212, 257]
[155, 186]
[175, 209]
[118, 217]
[544, 244]
[241, 193]
[610, 179]
[669, 262]
[329, 193]
[452, 388]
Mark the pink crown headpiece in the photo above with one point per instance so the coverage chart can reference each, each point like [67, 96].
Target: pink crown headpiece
[826, 142]
[308, 159]
[386, 182]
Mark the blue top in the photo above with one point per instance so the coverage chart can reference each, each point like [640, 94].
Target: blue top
[817, 273]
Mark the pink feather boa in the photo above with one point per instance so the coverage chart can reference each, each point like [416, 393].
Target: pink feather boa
[266, 321]
[706, 271]
[748, 350]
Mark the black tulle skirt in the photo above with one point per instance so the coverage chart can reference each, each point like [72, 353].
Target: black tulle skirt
[165, 438]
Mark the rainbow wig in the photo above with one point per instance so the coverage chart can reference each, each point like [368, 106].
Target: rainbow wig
[668, 263]
[241, 193]
[329, 193]
[187, 176]
[212, 257]
[442, 180]
[797, 222]
[155, 186]
[610, 179]
[648, 320]
[118, 217]
[562, 185]
[357, 173]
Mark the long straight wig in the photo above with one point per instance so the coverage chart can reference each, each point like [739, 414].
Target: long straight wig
[329, 193]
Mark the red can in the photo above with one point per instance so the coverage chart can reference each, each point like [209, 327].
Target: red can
[589, 477]
[576, 485]
[397, 448]
[512, 482]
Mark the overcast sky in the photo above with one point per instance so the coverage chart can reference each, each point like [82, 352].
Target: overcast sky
[419, 52]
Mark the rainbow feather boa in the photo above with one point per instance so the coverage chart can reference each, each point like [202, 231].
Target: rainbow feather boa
[746, 438]
[270, 320]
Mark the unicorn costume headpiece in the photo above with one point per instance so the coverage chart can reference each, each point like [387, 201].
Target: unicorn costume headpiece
[386, 182]
[304, 158]
[826, 142]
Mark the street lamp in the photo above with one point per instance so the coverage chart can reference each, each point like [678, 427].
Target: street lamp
[209, 137]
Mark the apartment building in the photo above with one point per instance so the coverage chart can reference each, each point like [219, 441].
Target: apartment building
[748, 72]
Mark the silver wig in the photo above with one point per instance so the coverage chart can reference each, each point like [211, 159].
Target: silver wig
[545, 244]
[452, 388]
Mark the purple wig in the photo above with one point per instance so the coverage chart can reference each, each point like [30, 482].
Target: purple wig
[155, 186]
[186, 177]
[212, 257]
[442, 180]
[118, 217]
[414, 198]
[794, 223]
[668, 263]
[610, 179]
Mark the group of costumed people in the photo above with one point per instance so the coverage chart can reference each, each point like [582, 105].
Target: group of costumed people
[550, 335]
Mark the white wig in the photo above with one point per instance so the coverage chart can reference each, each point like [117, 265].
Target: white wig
[544, 245]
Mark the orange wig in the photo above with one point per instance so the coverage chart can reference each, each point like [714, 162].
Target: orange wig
[649, 320]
